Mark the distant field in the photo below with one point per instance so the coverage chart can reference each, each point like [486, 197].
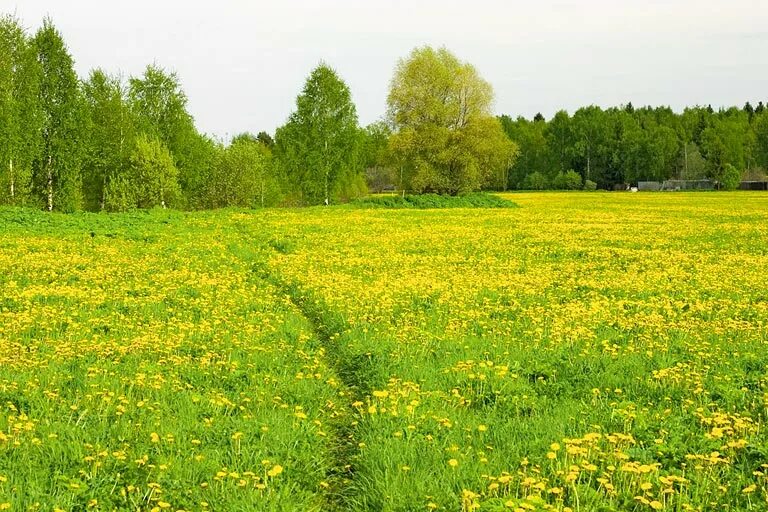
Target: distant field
[583, 352]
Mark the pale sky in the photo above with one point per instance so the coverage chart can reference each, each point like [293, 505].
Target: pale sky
[242, 63]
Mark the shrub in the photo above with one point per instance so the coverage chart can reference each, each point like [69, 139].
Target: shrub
[590, 185]
[119, 195]
[569, 180]
[535, 181]
[433, 201]
[730, 178]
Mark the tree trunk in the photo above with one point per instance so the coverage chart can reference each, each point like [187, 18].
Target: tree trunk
[13, 184]
[327, 172]
[327, 201]
[103, 193]
[50, 184]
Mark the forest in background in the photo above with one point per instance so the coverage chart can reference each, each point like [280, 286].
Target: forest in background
[104, 143]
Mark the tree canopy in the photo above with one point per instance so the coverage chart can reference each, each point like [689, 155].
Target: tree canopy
[446, 138]
[318, 148]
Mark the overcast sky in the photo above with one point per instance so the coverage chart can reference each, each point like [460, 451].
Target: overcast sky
[242, 63]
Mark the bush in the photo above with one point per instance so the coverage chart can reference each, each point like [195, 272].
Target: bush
[433, 201]
[590, 185]
[119, 195]
[569, 180]
[730, 178]
[351, 188]
[535, 181]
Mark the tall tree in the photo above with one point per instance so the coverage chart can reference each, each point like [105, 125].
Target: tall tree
[591, 143]
[56, 172]
[441, 109]
[159, 106]
[318, 147]
[111, 136]
[535, 155]
[20, 115]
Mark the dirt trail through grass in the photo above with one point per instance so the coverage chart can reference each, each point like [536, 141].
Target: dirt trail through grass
[352, 370]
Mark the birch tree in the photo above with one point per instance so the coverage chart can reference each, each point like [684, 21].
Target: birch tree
[19, 112]
[111, 135]
[318, 147]
[56, 172]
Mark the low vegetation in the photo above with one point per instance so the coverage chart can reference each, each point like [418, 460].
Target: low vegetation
[430, 360]
[428, 201]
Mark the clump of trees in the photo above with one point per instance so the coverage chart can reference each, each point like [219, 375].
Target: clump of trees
[620, 145]
[111, 144]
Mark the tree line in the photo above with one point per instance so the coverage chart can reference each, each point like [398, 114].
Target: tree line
[623, 145]
[107, 143]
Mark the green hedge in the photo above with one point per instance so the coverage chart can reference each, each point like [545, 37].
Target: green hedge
[430, 201]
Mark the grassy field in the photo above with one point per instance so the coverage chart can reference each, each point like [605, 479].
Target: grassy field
[583, 352]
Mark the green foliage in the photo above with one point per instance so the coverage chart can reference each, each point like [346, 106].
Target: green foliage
[56, 173]
[119, 195]
[590, 185]
[242, 176]
[569, 180]
[730, 177]
[535, 151]
[266, 139]
[152, 175]
[625, 144]
[447, 141]
[110, 139]
[435, 201]
[159, 107]
[380, 173]
[318, 148]
[20, 115]
[535, 181]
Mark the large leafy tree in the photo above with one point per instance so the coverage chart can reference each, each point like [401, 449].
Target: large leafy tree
[159, 107]
[591, 140]
[318, 148]
[446, 138]
[111, 136]
[20, 115]
[56, 172]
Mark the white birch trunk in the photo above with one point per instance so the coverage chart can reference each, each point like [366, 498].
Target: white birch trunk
[50, 184]
[13, 179]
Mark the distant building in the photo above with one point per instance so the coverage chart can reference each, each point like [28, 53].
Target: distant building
[753, 185]
[689, 185]
[645, 186]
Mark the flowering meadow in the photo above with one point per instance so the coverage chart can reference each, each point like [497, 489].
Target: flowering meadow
[581, 352]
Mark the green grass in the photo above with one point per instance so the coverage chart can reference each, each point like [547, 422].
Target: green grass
[400, 360]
